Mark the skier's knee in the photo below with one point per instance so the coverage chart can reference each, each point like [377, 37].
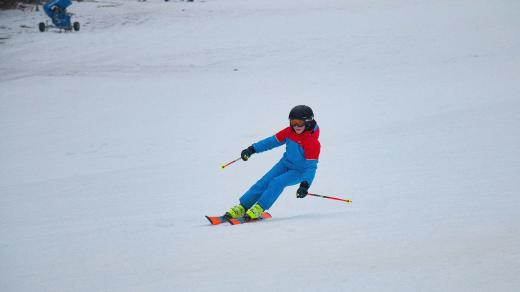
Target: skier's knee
[277, 183]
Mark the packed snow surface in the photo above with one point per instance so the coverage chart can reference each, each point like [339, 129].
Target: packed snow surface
[111, 141]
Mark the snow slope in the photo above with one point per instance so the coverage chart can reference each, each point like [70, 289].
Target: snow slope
[111, 141]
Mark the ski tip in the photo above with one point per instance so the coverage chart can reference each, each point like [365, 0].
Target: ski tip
[209, 219]
[234, 221]
[214, 220]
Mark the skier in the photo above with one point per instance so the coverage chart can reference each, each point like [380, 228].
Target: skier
[298, 164]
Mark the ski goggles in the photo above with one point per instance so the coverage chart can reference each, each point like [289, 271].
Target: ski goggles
[297, 123]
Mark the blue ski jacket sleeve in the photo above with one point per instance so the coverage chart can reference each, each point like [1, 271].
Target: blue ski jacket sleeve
[267, 144]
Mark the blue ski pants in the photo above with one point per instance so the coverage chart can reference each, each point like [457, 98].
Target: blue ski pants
[266, 190]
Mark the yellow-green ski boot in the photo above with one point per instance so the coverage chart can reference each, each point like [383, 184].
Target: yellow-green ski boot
[236, 212]
[254, 212]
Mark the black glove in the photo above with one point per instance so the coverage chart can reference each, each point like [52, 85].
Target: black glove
[303, 190]
[246, 153]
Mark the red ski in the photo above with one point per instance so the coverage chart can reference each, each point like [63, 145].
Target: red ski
[216, 220]
[242, 220]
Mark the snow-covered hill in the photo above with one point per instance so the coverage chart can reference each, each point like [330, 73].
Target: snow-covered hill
[111, 141]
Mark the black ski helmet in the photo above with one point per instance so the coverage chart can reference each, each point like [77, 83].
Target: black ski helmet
[303, 112]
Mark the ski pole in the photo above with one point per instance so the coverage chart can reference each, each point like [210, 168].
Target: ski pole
[332, 198]
[226, 165]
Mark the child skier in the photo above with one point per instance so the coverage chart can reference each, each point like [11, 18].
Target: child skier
[298, 164]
